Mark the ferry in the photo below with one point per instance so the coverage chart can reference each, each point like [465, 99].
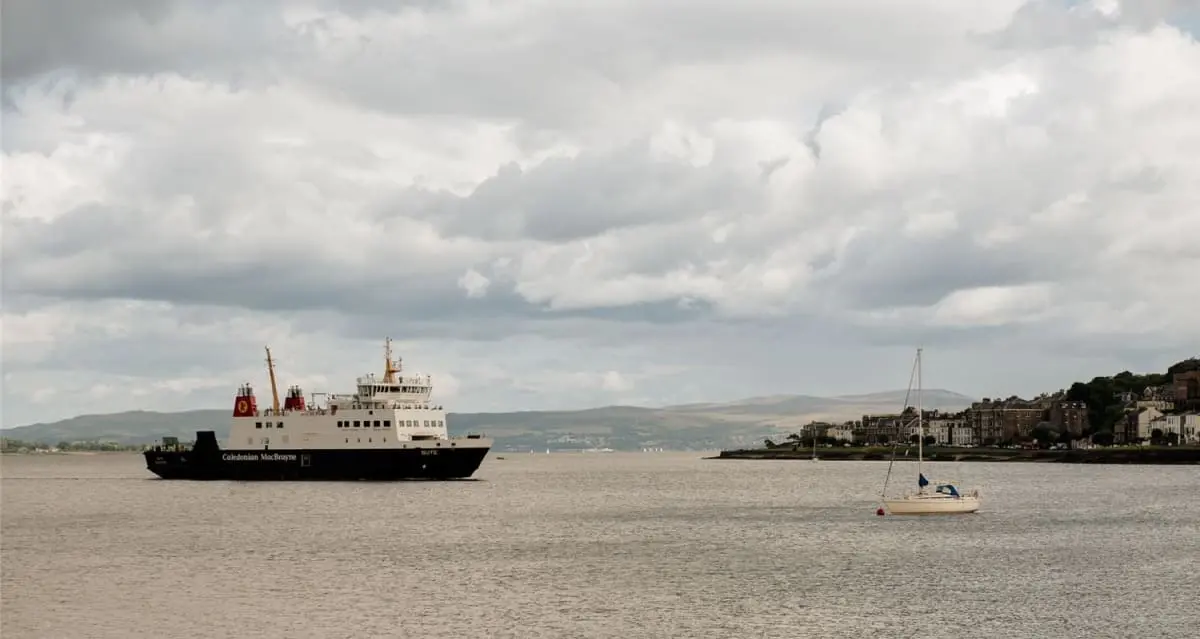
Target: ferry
[388, 429]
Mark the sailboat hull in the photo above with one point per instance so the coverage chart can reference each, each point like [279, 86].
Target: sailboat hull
[933, 505]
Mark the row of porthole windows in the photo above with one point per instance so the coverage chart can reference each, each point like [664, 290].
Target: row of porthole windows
[366, 423]
[387, 423]
[265, 441]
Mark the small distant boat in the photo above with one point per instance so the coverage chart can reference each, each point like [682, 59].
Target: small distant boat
[946, 498]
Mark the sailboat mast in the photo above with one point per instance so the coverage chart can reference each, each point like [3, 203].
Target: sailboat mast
[920, 418]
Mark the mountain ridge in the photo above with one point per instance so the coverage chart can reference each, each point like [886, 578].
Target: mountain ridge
[622, 427]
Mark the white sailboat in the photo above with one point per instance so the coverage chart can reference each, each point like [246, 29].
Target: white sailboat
[946, 498]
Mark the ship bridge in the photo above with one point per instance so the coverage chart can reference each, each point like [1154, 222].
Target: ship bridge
[394, 389]
[413, 388]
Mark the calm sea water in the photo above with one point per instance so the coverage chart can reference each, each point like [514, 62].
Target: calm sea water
[597, 545]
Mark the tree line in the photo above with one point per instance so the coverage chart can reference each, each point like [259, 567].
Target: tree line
[10, 445]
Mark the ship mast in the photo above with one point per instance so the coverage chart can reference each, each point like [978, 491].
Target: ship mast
[274, 389]
[389, 367]
[920, 423]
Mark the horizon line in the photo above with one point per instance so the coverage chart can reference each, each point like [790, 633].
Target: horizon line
[733, 402]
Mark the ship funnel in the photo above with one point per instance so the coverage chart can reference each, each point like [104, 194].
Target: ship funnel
[294, 399]
[244, 405]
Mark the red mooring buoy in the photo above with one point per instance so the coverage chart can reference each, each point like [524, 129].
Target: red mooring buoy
[879, 511]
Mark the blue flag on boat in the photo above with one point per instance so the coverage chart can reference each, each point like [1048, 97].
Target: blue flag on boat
[921, 481]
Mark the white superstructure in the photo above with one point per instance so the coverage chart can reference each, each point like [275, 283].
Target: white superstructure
[393, 411]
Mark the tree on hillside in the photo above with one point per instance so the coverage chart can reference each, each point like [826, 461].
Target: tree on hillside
[1186, 366]
[1102, 396]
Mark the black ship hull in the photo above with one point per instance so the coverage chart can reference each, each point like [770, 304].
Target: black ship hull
[207, 461]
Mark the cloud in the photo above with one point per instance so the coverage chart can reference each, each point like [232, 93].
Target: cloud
[614, 381]
[555, 208]
[473, 283]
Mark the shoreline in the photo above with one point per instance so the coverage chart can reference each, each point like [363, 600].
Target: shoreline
[34, 453]
[1113, 455]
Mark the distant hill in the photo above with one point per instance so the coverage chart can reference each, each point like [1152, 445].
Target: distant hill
[685, 427]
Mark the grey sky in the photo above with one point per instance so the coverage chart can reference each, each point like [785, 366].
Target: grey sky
[562, 206]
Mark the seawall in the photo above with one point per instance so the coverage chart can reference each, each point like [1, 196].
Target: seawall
[1111, 455]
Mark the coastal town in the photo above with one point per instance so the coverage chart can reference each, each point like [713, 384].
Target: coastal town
[1125, 409]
